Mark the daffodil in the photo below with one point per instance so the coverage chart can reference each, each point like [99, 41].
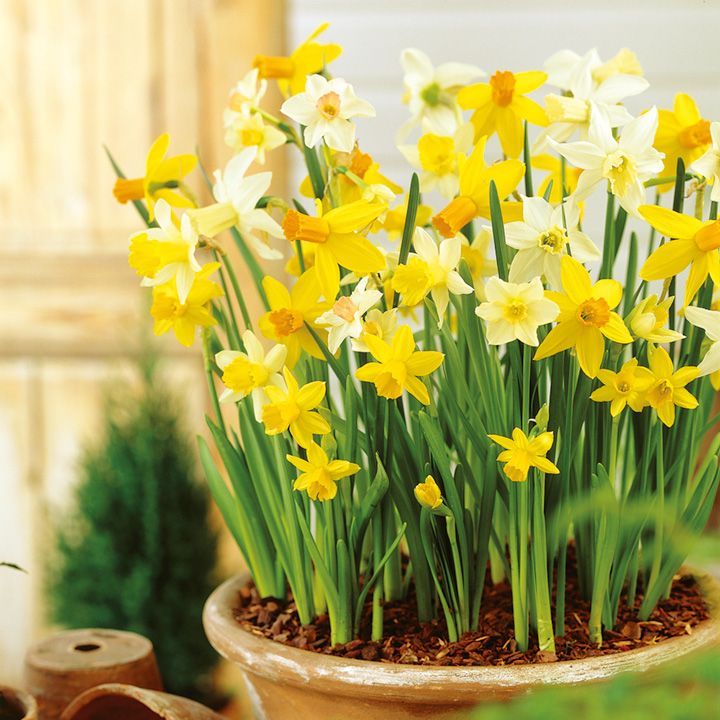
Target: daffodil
[309, 58]
[184, 317]
[292, 266]
[378, 323]
[521, 453]
[649, 318]
[250, 130]
[248, 373]
[586, 317]
[562, 65]
[289, 312]
[345, 317]
[363, 178]
[163, 176]
[626, 163]
[166, 253]
[543, 237]
[709, 164]
[627, 387]
[515, 311]
[474, 197]
[681, 133]
[709, 321]
[439, 158]
[325, 109]
[394, 221]
[501, 107]
[668, 386]
[479, 261]
[554, 168]
[318, 474]
[237, 197]
[431, 92]
[293, 408]
[399, 366]
[246, 95]
[428, 493]
[693, 243]
[338, 240]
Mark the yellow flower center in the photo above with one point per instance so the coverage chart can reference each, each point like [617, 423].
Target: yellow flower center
[623, 387]
[274, 67]
[431, 95]
[503, 87]
[695, 135]
[553, 240]
[515, 311]
[251, 136]
[661, 392]
[298, 226]
[707, 238]
[360, 163]
[566, 109]
[455, 216]
[620, 171]
[328, 105]
[243, 375]
[437, 154]
[389, 382]
[125, 190]
[278, 416]
[594, 312]
[345, 308]
[286, 321]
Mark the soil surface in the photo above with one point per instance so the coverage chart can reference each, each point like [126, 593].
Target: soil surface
[407, 641]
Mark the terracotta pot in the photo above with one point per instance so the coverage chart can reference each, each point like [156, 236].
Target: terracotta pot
[127, 702]
[286, 682]
[17, 704]
[58, 669]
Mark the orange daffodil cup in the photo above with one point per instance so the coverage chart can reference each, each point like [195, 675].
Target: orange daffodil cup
[369, 349]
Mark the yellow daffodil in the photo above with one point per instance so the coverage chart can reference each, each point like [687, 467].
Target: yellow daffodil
[501, 106]
[681, 133]
[693, 243]
[290, 72]
[183, 317]
[474, 197]
[379, 324]
[649, 318]
[709, 164]
[289, 311]
[338, 241]
[399, 366]
[553, 166]
[668, 386]
[515, 311]
[394, 221]
[428, 493]
[293, 408]
[479, 261]
[293, 267]
[627, 387]
[319, 475]
[163, 177]
[586, 317]
[521, 453]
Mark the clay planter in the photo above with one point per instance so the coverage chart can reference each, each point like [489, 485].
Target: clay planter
[126, 702]
[16, 705]
[287, 682]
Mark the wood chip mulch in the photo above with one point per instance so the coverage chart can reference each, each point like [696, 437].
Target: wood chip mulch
[409, 642]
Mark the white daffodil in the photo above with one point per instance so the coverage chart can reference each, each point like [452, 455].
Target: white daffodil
[430, 92]
[570, 112]
[237, 197]
[243, 130]
[345, 317]
[325, 109]
[477, 256]
[378, 323]
[248, 373]
[515, 311]
[439, 158]
[709, 321]
[247, 94]
[543, 237]
[625, 163]
[561, 66]
[166, 252]
[708, 165]
[648, 320]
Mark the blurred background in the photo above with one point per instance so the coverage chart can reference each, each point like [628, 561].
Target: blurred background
[79, 74]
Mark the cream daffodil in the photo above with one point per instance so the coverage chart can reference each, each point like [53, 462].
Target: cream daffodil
[586, 317]
[543, 237]
[693, 242]
[325, 109]
[626, 163]
[648, 320]
[515, 311]
[668, 387]
[709, 164]
[166, 253]
[474, 197]
[709, 321]
[378, 323]
[244, 130]
[431, 91]
[345, 317]
[627, 387]
[248, 373]
[561, 65]
[318, 474]
[521, 453]
[245, 97]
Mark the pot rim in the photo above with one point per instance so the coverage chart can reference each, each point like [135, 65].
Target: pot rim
[439, 685]
[26, 701]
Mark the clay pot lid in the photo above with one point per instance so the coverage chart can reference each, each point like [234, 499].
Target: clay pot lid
[24, 701]
[269, 659]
